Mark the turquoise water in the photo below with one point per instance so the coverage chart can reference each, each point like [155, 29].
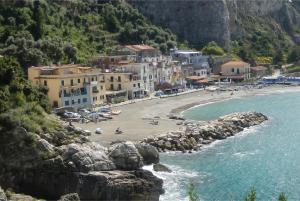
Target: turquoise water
[266, 156]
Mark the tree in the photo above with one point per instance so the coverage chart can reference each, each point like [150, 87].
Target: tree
[192, 192]
[70, 52]
[39, 19]
[212, 48]
[251, 196]
[52, 47]
[280, 58]
[9, 69]
[294, 55]
[282, 197]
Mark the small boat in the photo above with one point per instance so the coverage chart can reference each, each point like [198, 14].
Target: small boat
[105, 115]
[115, 112]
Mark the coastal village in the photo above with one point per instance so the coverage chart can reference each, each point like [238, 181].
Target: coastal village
[149, 100]
[136, 72]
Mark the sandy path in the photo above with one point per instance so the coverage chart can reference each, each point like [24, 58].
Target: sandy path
[132, 119]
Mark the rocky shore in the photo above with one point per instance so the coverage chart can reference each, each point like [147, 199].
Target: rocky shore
[52, 165]
[195, 135]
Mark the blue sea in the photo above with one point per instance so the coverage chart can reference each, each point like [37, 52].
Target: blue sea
[266, 157]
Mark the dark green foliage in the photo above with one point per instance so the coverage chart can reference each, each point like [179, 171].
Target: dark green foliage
[282, 197]
[9, 69]
[192, 192]
[294, 54]
[251, 196]
[212, 48]
[43, 32]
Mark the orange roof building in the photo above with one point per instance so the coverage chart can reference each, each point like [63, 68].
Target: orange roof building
[236, 70]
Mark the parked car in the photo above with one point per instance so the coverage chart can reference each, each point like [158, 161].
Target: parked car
[84, 112]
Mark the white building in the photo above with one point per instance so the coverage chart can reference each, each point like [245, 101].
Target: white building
[194, 59]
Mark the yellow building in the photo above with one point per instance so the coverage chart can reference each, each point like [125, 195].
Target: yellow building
[70, 85]
[122, 86]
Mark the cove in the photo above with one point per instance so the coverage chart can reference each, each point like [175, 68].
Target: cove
[266, 156]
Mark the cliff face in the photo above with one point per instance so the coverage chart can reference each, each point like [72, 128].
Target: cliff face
[202, 21]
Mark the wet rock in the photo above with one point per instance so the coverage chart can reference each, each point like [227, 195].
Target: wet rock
[161, 168]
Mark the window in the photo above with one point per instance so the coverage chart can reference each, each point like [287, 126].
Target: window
[232, 70]
[92, 79]
[71, 82]
[101, 97]
[67, 103]
[134, 85]
[62, 83]
[119, 78]
[78, 81]
[111, 87]
[83, 80]
[45, 82]
[84, 100]
[119, 87]
[55, 104]
[139, 85]
[111, 78]
[96, 78]
[78, 101]
[101, 87]
[73, 102]
[238, 71]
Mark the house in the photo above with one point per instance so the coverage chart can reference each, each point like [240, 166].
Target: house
[143, 53]
[193, 62]
[146, 71]
[235, 71]
[70, 85]
[259, 71]
[122, 86]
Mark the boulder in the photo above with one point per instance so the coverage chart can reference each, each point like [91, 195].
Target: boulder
[70, 197]
[86, 157]
[161, 168]
[2, 195]
[148, 152]
[125, 156]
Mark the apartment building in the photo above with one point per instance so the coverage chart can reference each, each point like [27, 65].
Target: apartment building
[70, 85]
[121, 86]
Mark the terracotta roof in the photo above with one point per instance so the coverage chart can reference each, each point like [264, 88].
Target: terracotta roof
[234, 64]
[139, 47]
[259, 68]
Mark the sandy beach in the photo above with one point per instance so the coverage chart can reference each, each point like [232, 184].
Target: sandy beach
[135, 118]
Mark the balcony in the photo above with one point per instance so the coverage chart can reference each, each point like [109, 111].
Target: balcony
[95, 90]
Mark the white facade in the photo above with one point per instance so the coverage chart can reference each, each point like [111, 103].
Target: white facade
[144, 70]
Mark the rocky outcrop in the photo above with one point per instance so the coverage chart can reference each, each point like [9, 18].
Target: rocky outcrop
[197, 134]
[70, 197]
[125, 156]
[49, 166]
[161, 168]
[2, 195]
[202, 21]
[149, 153]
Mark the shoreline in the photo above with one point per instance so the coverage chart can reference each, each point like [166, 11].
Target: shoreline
[135, 118]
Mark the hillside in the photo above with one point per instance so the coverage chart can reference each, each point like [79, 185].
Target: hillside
[46, 31]
[257, 28]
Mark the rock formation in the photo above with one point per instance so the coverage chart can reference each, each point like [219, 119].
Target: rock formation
[196, 134]
[49, 166]
[202, 21]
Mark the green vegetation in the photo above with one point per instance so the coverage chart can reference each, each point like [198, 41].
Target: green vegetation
[251, 196]
[44, 31]
[293, 69]
[193, 196]
[212, 48]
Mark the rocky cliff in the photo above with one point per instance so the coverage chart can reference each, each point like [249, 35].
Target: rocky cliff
[202, 21]
[49, 166]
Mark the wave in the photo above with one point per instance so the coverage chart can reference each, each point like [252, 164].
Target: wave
[175, 182]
